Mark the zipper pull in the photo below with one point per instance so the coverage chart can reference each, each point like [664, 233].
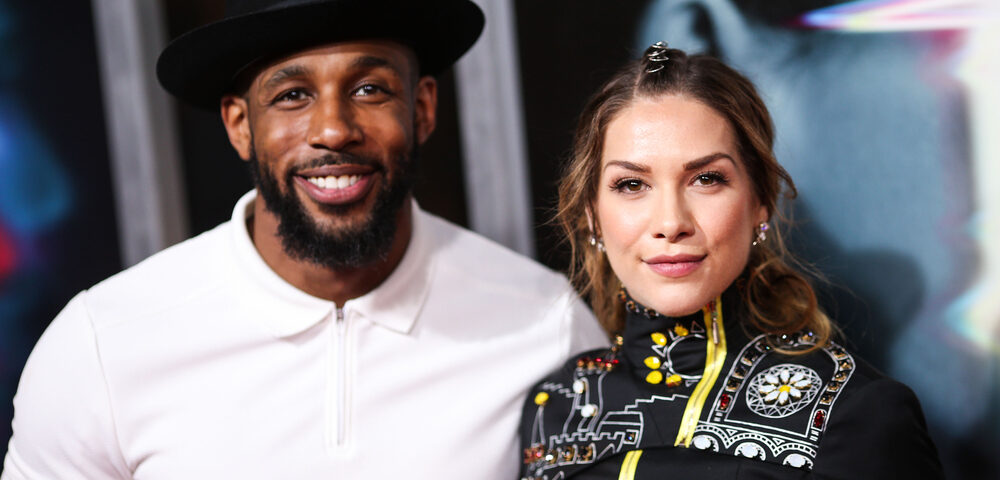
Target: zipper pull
[715, 322]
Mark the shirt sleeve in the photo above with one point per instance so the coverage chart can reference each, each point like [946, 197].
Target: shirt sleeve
[878, 433]
[63, 419]
[584, 331]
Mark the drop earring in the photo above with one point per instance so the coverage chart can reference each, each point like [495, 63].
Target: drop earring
[761, 233]
[597, 243]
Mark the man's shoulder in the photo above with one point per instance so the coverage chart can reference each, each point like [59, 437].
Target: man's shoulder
[463, 253]
[167, 278]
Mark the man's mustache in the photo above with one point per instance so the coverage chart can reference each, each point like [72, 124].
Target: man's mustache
[338, 158]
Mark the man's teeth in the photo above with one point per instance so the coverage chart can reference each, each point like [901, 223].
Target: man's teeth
[342, 181]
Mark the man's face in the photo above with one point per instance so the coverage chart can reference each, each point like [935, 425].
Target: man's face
[331, 135]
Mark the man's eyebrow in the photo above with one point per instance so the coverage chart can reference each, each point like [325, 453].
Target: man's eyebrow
[707, 159]
[372, 61]
[635, 167]
[286, 73]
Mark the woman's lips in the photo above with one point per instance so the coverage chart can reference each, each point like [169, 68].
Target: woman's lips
[674, 266]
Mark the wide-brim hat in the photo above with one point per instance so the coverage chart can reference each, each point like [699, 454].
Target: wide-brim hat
[201, 65]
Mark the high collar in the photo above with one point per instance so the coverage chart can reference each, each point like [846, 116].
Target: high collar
[678, 342]
[285, 310]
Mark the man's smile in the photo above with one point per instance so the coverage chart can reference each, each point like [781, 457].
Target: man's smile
[336, 184]
[336, 189]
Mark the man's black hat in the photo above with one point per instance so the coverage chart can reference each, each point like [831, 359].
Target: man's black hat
[201, 65]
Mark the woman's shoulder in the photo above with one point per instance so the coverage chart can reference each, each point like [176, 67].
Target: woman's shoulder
[877, 431]
[558, 386]
[828, 411]
[813, 411]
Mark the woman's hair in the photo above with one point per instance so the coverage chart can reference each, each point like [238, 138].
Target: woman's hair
[780, 300]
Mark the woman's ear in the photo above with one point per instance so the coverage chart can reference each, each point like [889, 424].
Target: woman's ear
[590, 222]
[762, 214]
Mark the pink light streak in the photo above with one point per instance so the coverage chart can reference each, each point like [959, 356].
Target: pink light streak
[899, 16]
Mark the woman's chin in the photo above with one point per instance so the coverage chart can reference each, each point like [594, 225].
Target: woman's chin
[678, 312]
[675, 307]
[673, 302]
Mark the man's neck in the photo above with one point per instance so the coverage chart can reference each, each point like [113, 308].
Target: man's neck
[338, 285]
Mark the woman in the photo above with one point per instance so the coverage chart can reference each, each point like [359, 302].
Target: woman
[723, 365]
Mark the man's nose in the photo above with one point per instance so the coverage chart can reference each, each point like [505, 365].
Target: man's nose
[333, 125]
[672, 218]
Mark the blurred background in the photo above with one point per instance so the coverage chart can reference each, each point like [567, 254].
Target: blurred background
[886, 113]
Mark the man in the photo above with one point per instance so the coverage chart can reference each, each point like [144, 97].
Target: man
[331, 329]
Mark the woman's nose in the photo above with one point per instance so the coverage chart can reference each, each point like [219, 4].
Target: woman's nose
[672, 219]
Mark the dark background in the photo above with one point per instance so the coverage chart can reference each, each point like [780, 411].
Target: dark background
[52, 127]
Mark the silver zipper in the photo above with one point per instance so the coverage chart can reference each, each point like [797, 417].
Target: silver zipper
[341, 378]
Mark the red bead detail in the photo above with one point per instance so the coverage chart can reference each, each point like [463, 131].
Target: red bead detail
[819, 419]
[724, 401]
[599, 360]
[614, 362]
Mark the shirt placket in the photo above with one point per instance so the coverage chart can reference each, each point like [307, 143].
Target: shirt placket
[340, 381]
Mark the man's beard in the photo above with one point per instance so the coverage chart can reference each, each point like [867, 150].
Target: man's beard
[351, 247]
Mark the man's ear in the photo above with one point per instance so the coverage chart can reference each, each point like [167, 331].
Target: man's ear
[236, 119]
[425, 108]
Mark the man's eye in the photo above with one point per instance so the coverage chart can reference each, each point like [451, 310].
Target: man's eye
[291, 96]
[368, 90]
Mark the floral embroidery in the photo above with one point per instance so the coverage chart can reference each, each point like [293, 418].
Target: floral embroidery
[782, 390]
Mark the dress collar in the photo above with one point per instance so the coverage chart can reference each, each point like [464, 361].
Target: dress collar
[673, 346]
[285, 310]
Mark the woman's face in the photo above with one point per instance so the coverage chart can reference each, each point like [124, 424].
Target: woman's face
[675, 205]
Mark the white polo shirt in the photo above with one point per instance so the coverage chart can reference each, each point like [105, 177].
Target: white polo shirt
[202, 363]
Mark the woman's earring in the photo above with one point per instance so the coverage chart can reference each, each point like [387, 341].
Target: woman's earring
[597, 242]
[761, 233]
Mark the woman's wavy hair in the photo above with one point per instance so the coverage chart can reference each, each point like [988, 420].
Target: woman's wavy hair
[779, 298]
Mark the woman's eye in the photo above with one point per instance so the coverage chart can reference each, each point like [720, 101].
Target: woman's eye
[707, 179]
[630, 186]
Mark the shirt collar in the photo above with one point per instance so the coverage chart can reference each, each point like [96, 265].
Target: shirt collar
[285, 310]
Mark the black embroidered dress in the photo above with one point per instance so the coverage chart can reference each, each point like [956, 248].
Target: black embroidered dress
[696, 397]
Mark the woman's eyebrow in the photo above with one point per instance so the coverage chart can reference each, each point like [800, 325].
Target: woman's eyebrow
[635, 167]
[707, 159]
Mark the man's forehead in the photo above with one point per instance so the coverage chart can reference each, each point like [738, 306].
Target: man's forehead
[359, 54]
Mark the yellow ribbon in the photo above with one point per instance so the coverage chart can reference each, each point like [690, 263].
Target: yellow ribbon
[714, 359]
[629, 465]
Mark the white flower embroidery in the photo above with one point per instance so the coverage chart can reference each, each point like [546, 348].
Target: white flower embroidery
[782, 390]
[784, 386]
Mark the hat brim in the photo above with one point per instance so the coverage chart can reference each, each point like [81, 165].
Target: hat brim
[201, 65]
